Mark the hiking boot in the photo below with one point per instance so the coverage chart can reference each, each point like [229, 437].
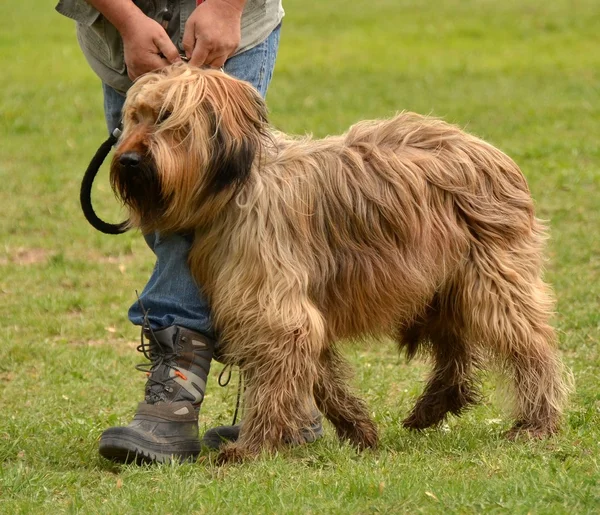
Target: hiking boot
[216, 437]
[165, 425]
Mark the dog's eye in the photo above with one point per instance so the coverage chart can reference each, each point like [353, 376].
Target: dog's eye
[163, 115]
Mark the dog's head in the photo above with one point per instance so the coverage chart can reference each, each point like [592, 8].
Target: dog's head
[190, 139]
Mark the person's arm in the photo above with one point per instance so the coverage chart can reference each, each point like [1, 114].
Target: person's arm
[213, 32]
[146, 45]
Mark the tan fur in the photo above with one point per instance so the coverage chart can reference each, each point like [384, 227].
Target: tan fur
[406, 227]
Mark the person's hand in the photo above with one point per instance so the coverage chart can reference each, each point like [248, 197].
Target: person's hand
[146, 46]
[212, 33]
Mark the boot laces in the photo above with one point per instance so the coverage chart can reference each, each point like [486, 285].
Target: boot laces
[157, 357]
[167, 359]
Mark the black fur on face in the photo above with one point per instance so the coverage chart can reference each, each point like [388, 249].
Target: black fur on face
[229, 168]
[232, 158]
[135, 180]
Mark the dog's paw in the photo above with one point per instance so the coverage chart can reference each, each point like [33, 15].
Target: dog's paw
[234, 453]
[417, 422]
[363, 435]
[367, 440]
[524, 431]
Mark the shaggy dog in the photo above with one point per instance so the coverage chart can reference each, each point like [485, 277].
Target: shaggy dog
[406, 227]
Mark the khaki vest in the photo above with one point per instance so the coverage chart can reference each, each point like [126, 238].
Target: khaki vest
[103, 47]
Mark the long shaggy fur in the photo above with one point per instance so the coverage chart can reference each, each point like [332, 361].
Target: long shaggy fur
[406, 227]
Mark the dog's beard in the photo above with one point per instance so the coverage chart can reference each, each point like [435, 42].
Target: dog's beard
[139, 188]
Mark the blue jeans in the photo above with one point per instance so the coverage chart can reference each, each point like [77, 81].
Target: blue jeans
[171, 296]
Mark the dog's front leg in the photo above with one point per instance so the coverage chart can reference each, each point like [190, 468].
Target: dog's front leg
[280, 364]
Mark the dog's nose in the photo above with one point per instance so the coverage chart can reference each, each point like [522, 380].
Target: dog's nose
[130, 158]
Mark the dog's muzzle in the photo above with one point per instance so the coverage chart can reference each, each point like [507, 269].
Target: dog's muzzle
[135, 180]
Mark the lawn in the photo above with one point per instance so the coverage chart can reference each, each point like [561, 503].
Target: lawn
[523, 74]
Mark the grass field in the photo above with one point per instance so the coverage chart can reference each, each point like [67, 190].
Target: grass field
[524, 74]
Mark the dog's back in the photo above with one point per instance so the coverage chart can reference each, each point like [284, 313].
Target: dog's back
[384, 215]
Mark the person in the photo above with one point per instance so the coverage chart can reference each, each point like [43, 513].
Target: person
[121, 40]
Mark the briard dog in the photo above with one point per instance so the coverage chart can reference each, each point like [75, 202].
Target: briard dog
[406, 227]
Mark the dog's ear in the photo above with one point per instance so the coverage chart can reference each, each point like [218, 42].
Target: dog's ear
[238, 127]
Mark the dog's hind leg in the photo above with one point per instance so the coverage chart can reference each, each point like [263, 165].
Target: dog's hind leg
[508, 307]
[348, 414]
[451, 387]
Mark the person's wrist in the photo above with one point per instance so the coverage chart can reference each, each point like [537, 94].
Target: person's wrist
[236, 5]
[129, 20]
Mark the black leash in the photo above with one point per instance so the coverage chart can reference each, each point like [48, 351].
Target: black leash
[224, 382]
[85, 194]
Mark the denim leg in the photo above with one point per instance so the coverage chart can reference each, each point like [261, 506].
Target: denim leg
[113, 105]
[171, 296]
[256, 65]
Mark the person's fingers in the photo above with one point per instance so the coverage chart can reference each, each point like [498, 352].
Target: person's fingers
[216, 62]
[199, 55]
[151, 63]
[188, 41]
[168, 49]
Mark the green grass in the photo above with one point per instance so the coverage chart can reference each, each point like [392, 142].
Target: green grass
[524, 74]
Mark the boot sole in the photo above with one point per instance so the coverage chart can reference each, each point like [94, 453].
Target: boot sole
[122, 447]
[219, 436]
